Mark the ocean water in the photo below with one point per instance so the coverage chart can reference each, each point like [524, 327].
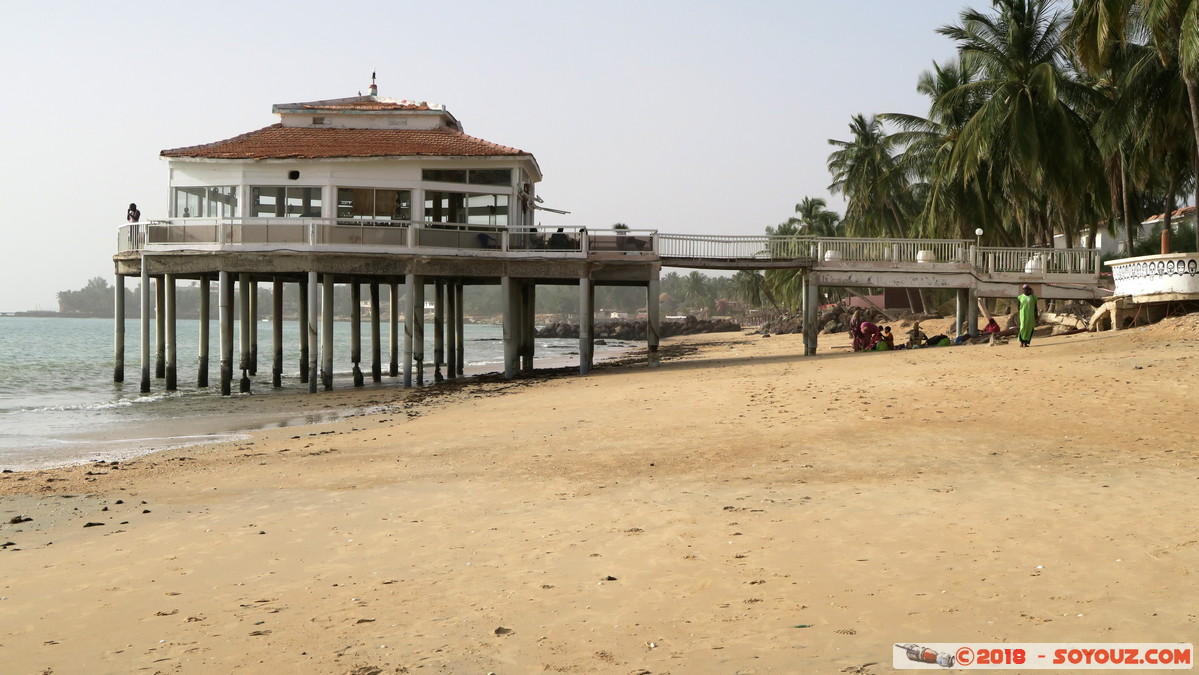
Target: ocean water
[59, 405]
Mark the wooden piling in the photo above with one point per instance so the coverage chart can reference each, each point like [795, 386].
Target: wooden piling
[356, 330]
[438, 328]
[418, 331]
[393, 322]
[118, 329]
[277, 332]
[205, 317]
[225, 317]
[327, 332]
[145, 325]
[376, 366]
[253, 365]
[528, 329]
[305, 289]
[409, 310]
[451, 331]
[586, 325]
[309, 350]
[460, 320]
[509, 299]
[160, 347]
[653, 319]
[811, 307]
[243, 320]
[172, 373]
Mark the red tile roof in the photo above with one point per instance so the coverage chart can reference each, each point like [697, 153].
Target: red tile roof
[280, 142]
[368, 105]
[1177, 214]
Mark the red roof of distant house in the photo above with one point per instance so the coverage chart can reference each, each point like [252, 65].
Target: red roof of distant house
[280, 142]
[1185, 211]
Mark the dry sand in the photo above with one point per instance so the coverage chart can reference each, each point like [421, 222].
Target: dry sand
[741, 509]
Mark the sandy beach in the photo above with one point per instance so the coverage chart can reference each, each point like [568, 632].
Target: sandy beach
[741, 509]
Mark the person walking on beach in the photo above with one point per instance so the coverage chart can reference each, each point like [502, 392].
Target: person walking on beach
[1028, 315]
[133, 215]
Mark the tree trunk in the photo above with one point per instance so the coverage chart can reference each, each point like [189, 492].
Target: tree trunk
[1193, 99]
[1126, 199]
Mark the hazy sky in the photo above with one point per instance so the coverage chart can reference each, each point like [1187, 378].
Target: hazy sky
[687, 117]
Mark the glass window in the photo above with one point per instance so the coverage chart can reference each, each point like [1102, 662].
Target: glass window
[207, 201]
[285, 202]
[458, 207]
[444, 175]
[490, 176]
[472, 176]
[372, 204]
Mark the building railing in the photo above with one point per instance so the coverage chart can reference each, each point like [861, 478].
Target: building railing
[1039, 260]
[264, 234]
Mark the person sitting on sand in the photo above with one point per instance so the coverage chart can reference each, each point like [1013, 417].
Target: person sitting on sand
[916, 337]
[992, 327]
[888, 337]
[870, 334]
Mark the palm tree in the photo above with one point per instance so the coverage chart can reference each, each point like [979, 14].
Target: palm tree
[695, 291]
[816, 220]
[1100, 28]
[749, 287]
[865, 170]
[956, 204]
[1027, 134]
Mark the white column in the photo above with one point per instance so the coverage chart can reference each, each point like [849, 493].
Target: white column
[205, 317]
[225, 317]
[653, 318]
[511, 327]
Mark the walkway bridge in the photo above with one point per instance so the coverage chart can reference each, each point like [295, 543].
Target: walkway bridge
[316, 253]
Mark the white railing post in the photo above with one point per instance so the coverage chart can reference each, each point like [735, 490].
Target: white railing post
[504, 240]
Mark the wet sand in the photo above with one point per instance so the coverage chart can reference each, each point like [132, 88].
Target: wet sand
[740, 509]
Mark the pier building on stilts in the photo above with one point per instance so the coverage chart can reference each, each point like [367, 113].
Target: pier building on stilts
[375, 193]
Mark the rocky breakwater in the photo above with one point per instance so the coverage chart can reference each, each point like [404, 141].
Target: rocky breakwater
[835, 319]
[635, 329]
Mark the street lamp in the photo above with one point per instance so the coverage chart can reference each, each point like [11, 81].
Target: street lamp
[978, 237]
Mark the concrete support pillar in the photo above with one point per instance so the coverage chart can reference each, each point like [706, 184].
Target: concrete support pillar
[510, 300]
[418, 330]
[586, 325]
[311, 345]
[253, 365]
[276, 332]
[306, 287]
[205, 319]
[118, 329]
[451, 331]
[160, 360]
[225, 319]
[972, 310]
[811, 305]
[172, 361]
[959, 311]
[460, 320]
[528, 328]
[393, 367]
[438, 329]
[327, 332]
[243, 320]
[145, 326]
[653, 319]
[410, 308]
[356, 330]
[376, 365]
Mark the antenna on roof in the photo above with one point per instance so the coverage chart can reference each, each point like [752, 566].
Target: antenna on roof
[374, 87]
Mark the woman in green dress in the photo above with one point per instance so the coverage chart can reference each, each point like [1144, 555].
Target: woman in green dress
[1028, 315]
